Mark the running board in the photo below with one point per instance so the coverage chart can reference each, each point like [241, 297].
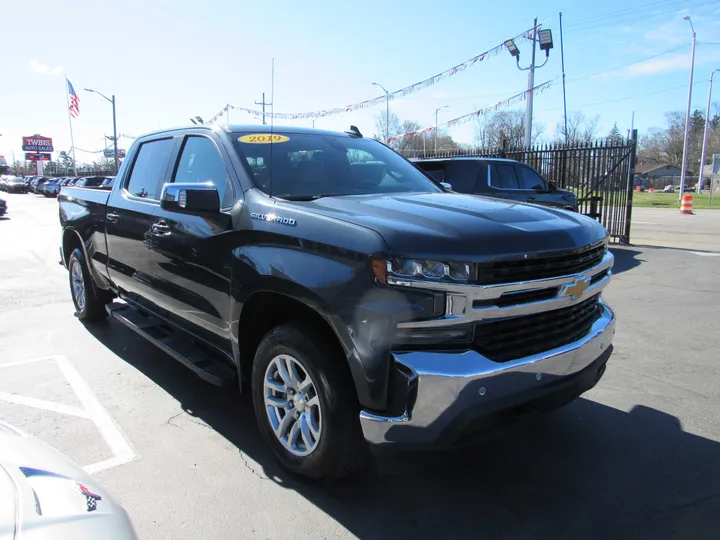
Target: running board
[175, 343]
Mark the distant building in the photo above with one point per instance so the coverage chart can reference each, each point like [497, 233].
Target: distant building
[650, 170]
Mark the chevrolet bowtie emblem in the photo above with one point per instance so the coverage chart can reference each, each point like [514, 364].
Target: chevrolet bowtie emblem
[575, 289]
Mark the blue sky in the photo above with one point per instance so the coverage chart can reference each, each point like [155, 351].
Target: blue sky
[167, 61]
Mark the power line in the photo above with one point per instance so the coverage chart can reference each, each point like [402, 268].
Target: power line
[599, 22]
[628, 64]
[625, 12]
[625, 97]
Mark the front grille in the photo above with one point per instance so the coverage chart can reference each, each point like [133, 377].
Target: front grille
[542, 267]
[509, 339]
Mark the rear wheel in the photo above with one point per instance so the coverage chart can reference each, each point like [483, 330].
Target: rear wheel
[89, 301]
[305, 404]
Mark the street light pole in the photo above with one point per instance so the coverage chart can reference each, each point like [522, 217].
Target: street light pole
[705, 134]
[436, 124]
[112, 102]
[531, 85]
[117, 165]
[683, 170]
[544, 39]
[387, 112]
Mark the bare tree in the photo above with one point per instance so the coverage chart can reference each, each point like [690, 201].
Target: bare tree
[492, 128]
[394, 123]
[580, 129]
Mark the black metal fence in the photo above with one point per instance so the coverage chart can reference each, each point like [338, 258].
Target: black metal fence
[600, 173]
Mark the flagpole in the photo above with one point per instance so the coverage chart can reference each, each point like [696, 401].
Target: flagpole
[72, 140]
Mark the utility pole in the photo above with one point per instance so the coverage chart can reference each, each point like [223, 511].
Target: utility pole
[683, 170]
[531, 85]
[263, 107]
[704, 141]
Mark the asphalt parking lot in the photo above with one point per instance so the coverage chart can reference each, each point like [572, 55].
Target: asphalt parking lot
[636, 457]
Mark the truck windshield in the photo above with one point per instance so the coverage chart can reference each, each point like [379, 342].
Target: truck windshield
[308, 166]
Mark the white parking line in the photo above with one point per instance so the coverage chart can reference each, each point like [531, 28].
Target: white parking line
[705, 254]
[91, 409]
[43, 404]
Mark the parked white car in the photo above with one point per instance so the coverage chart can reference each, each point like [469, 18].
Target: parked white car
[44, 495]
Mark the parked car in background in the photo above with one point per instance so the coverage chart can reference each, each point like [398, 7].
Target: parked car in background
[45, 495]
[15, 184]
[90, 181]
[500, 178]
[28, 181]
[108, 182]
[3, 207]
[3, 182]
[37, 184]
[52, 187]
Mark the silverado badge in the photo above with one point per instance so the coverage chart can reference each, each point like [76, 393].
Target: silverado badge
[575, 289]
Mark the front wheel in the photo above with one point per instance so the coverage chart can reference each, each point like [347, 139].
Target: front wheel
[305, 404]
[89, 302]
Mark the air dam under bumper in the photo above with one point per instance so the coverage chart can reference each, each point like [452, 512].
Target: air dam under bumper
[456, 391]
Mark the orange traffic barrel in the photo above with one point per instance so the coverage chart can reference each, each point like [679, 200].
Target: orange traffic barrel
[686, 204]
[638, 188]
[651, 190]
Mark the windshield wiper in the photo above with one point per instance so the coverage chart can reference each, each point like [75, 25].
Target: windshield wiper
[309, 197]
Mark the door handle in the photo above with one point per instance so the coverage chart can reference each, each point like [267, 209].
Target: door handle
[161, 227]
[112, 217]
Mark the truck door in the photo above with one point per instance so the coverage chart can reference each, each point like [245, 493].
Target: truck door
[129, 218]
[192, 253]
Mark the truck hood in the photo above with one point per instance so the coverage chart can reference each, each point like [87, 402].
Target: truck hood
[456, 226]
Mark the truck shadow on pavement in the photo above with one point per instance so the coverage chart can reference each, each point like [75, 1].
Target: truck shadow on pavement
[626, 259]
[585, 471]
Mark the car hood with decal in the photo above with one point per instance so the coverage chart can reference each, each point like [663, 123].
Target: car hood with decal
[44, 495]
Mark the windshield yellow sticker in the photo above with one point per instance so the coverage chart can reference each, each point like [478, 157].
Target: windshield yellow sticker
[263, 138]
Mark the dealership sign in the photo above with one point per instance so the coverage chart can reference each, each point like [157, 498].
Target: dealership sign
[36, 157]
[37, 143]
[110, 152]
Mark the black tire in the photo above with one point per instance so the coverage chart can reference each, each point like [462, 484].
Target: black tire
[93, 305]
[340, 449]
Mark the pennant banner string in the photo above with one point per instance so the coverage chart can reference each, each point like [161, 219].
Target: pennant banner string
[460, 120]
[403, 92]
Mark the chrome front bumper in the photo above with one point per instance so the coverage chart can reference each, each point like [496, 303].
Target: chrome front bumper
[451, 385]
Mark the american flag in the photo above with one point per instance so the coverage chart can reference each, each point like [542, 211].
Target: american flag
[74, 101]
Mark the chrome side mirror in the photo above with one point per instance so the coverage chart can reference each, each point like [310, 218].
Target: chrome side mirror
[190, 198]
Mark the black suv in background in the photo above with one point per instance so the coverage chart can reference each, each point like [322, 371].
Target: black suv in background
[495, 177]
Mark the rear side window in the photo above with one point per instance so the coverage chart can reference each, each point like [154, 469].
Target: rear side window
[503, 176]
[201, 162]
[149, 168]
[462, 175]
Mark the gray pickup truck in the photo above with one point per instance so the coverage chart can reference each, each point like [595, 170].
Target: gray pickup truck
[356, 299]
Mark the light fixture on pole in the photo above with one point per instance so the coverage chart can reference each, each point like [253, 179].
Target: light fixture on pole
[436, 123]
[387, 112]
[115, 148]
[705, 134]
[683, 170]
[544, 38]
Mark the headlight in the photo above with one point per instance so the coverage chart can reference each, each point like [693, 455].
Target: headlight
[429, 270]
